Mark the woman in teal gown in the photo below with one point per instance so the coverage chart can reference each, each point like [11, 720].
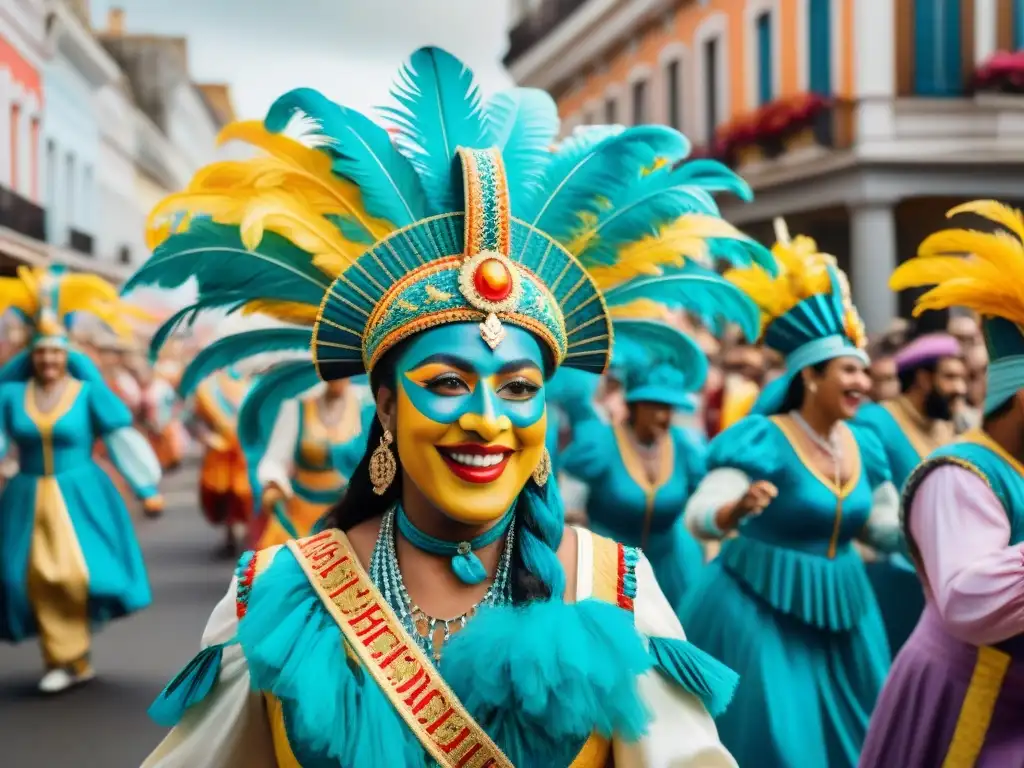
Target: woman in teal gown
[69, 558]
[787, 603]
[639, 474]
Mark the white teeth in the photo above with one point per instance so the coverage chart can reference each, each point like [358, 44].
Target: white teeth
[477, 459]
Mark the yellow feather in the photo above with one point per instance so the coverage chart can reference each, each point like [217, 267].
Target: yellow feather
[642, 309]
[285, 311]
[15, 293]
[993, 211]
[84, 293]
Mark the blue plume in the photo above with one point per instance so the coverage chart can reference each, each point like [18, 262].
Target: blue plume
[439, 110]
[351, 229]
[582, 181]
[362, 152]
[222, 266]
[696, 289]
[232, 349]
[523, 124]
[187, 316]
[262, 403]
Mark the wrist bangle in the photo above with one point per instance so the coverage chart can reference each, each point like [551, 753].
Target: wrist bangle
[711, 524]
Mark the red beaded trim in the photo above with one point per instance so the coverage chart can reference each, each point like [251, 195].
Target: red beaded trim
[626, 571]
[245, 580]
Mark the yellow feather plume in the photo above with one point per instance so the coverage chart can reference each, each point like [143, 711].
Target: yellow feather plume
[683, 239]
[289, 191]
[642, 309]
[982, 271]
[17, 293]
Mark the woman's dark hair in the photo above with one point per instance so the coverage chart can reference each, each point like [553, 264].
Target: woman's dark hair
[1004, 408]
[795, 394]
[537, 573]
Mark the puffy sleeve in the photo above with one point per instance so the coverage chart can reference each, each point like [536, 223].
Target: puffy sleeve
[275, 466]
[588, 456]
[882, 530]
[130, 452]
[681, 733]
[745, 453]
[228, 728]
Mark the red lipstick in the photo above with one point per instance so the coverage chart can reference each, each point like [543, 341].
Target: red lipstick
[476, 463]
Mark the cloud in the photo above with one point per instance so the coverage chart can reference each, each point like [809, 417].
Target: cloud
[349, 49]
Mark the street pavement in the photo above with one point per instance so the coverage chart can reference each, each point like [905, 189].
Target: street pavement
[104, 724]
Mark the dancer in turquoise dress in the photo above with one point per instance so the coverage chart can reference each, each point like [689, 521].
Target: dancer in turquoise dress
[446, 615]
[69, 559]
[640, 473]
[787, 602]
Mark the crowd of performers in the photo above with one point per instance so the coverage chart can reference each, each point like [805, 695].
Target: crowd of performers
[438, 348]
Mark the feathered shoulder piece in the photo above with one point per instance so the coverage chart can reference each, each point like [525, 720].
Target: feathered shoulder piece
[48, 299]
[457, 210]
[808, 298]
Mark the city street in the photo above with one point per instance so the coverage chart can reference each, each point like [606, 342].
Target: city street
[104, 724]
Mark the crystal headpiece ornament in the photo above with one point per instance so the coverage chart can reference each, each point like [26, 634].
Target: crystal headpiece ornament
[361, 236]
[48, 300]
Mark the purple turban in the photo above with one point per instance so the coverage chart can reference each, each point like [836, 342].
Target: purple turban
[926, 349]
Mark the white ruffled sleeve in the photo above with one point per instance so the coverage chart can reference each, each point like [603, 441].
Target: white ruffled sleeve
[681, 733]
[719, 487]
[275, 466]
[229, 728]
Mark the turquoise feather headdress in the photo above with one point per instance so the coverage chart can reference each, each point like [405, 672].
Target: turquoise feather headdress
[468, 216]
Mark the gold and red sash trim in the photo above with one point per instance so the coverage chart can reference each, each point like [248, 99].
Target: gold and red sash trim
[374, 634]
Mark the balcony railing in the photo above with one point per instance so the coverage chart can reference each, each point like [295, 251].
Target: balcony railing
[21, 215]
[80, 241]
[538, 25]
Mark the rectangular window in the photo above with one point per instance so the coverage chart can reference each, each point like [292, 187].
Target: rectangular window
[764, 58]
[711, 105]
[937, 48]
[675, 117]
[15, 146]
[819, 28]
[611, 115]
[639, 102]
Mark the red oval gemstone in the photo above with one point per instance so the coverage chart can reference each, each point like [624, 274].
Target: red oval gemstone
[492, 280]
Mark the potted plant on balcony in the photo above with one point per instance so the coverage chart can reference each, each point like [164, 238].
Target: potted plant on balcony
[1002, 73]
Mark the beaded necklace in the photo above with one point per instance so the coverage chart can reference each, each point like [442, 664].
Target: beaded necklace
[387, 577]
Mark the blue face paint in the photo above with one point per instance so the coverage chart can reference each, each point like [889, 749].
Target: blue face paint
[459, 345]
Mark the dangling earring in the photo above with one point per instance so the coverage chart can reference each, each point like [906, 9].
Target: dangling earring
[812, 388]
[383, 466]
[542, 471]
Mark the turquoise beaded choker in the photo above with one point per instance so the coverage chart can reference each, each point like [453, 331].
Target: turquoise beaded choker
[465, 564]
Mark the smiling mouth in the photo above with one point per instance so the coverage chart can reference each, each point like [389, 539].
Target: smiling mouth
[853, 396]
[476, 463]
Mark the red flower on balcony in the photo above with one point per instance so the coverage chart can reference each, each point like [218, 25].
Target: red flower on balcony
[1002, 73]
[771, 124]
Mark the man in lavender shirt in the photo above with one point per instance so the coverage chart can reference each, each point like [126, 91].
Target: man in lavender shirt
[955, 695]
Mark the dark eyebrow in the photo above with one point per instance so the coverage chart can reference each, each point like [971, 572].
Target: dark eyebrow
[452, 360]
[518, 365]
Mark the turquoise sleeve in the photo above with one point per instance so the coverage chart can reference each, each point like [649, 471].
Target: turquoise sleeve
[872, 455]
[588, 456]
[752, 445]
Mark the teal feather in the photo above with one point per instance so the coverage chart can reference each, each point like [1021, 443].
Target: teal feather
[188, 688]
[362, 152]
[695, 672]
[186, 316]
[439, 110]
[713, 176]
[523, 124]
[232, 349]
[698, 290]
[262, 403]
[226, 271]
[352, 229]
[579, 180]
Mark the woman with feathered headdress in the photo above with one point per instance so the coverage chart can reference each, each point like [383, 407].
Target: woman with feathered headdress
[68, 554]
[955, 695]
[796, 483]
[640, 472]
[446, 615]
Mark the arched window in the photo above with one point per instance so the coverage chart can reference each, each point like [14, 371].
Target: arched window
[819, 44]
[937, 48]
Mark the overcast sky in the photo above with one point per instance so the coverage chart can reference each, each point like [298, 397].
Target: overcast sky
[348, 49]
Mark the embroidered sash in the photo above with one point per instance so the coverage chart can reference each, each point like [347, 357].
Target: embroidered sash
[377, 638]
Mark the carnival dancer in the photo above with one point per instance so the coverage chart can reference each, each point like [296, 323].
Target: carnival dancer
[787, 602]
[933, 382]
[459, 269]
[225, 493]
[955, 696]
[640, 472]
[68, 554]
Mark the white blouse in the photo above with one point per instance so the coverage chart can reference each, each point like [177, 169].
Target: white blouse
[230, 729]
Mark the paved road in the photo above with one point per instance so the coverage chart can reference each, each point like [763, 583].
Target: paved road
[104, 724]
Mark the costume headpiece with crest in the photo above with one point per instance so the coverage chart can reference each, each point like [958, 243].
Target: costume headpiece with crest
[806, 311]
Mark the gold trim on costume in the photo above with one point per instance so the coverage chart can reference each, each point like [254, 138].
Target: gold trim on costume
[978, 706]
[981, 437]
[58, 579]
[915, 427]
[636, 470]
[386, 651]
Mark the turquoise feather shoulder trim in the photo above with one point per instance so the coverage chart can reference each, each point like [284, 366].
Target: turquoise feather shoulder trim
[695, 672]
[189, 687]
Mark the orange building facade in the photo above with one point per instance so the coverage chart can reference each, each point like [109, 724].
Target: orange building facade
[860, 121]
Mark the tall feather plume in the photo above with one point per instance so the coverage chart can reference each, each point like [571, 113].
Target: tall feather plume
[362, 152]
[439, 111]
[982, 271]
[233, 349]
[523, 124]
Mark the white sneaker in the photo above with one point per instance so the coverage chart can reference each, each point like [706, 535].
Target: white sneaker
[59, 680]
